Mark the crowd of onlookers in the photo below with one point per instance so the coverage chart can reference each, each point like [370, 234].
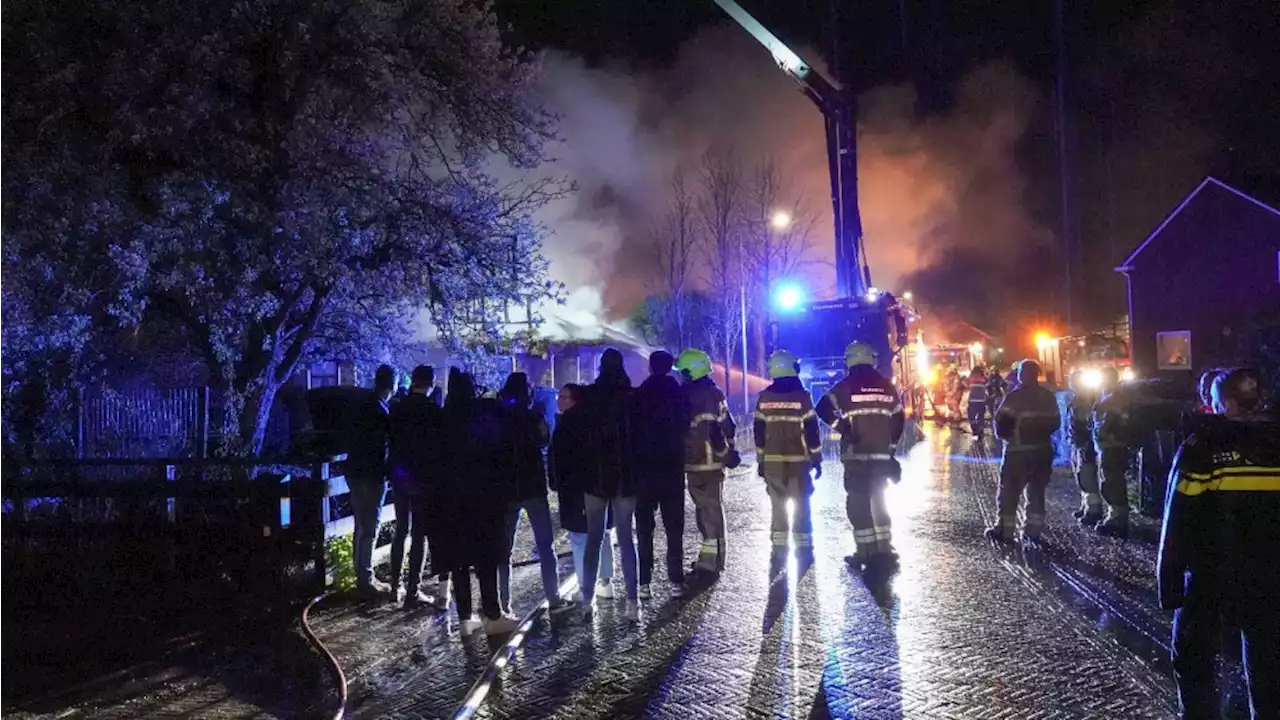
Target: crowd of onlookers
[463, 471]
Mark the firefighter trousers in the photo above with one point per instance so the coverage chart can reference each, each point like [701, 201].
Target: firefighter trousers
[1197, 639]
[978, 417]
[706, 489]
[790, 483]
[1084, 462]
[865, 482]
[1113, 464]
[1023, 471]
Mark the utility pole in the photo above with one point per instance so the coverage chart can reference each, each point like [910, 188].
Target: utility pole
[1068, 224]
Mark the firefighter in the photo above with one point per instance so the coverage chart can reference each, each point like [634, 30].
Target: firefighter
[1112, 436]
[977, 408]
[996, 387]
[708, 450]
[1026, 421]
[1084, 458]
[787, 447]
[1218, 548]
[866, 409]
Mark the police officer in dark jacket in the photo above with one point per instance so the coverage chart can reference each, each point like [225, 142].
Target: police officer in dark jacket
[524, 465]
[1219, 548]
[661, 418]
[414, 470]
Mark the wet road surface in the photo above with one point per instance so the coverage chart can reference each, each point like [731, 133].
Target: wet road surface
[965, 630]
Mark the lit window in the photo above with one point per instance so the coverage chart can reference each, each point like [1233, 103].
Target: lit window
[1173, 350]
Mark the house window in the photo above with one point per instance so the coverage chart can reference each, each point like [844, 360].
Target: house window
[1173, 350]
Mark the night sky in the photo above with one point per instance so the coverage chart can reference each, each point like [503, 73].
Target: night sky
[1159, 92]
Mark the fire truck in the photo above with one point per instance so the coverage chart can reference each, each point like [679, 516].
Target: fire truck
[818, 332]
[1061, 356]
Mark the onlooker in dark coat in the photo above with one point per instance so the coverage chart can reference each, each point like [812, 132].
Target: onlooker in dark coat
[660, 421]
[570, 469]
[414, 460]
[365, 470]
[523, 462]
[611, 480]
[473, 504]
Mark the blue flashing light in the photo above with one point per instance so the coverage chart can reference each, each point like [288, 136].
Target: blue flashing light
[788, 297]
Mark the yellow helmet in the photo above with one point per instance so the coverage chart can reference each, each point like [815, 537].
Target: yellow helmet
[695, 363]
[783, 364]
[859, 353]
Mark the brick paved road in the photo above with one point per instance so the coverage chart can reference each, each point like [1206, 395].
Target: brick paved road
[966, 630]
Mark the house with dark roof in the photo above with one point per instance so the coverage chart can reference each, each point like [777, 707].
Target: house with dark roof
[1204, 286]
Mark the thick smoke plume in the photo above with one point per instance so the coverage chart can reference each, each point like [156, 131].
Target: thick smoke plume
[943, 199]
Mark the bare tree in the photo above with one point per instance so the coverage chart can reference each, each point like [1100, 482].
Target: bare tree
[676, 241]
[778, 244]
[720, 209]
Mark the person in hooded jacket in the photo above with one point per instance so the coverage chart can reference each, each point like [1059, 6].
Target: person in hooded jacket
[525, 437]
[414, 458]
[570, 471]
[661, 418]
[611, 484]
[473, 504]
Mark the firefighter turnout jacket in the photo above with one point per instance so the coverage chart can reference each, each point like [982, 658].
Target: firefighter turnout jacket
[786, 426]
[711, 429]
[1028, 418]
[1222, 508]
[866, 409]
[1080, 421]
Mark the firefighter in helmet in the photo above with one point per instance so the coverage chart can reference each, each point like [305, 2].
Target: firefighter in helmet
[708, 450]
[1026, 422]
[787, 447]
[1115, 432]
[1084, 456]
[866, 409]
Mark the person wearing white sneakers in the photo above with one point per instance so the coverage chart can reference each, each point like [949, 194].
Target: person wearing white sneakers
[569, 473]
[611, 482]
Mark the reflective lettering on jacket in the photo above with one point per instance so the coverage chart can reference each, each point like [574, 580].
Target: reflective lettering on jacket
[1028, 418]
[711, 429]
[868, 415]
[786, 426]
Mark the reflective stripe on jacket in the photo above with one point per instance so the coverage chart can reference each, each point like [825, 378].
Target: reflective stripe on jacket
[1222, 507]
[786, 426]
[1028, 418]
[866, 409]
[711, 429]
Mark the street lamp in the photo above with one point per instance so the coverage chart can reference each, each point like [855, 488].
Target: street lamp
[780, 220]
[907, 295]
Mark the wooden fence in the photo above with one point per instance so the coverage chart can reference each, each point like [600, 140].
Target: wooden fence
[172, 526]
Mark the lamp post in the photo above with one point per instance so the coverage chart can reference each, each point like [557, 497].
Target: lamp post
[779, 221]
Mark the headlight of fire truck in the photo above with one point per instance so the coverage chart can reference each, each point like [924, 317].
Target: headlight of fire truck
[1091, 378]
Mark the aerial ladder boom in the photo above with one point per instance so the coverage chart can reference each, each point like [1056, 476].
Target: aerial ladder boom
[853, 277]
